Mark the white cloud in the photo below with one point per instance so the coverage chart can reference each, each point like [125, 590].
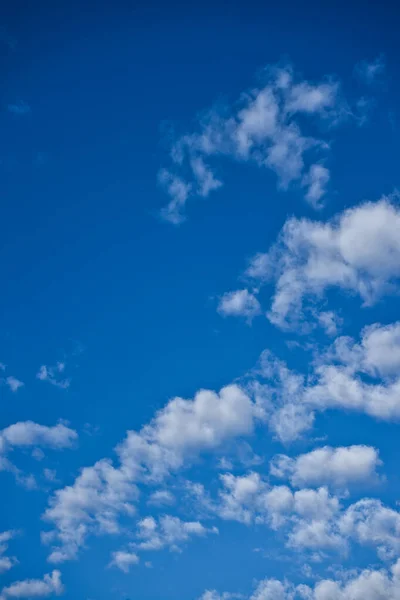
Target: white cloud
[272, 589]
[338, 388]
[183, 428]
[264, 127]
[377, 353]
[124, 560]
[329, 321]
[312, 256]
[367, 584]
[369, 72]
[336, 382]
[92, 504]
[6, 562]
[316, 181]
[214, 595]
[338, 467]
[28, 433]
[179, 191]
[176, 435]
[35, 588]
[239, 303]
[168, 531]
[369, 522]
[13, 383]
[313, 520]
[161, 498]
[52, 375]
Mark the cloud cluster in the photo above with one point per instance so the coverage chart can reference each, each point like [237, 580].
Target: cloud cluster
[175, 437]
[154, 535]
[312, 257]
[27, 434]
[312, 520]
[353, 376]
[265, 127]
[168, 532]
[367, 584]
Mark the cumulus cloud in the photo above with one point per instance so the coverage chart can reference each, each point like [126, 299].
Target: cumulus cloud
[371, 523]
[35, 588]
[176, 436]
[124, 560]
[366, 584]
[240, 303]
[264, 127]
[93, 503]
[28, 433]
[377, 354]
[168, 531]
[311, 257]
[337, 381]
[312, 520]
[338, 467]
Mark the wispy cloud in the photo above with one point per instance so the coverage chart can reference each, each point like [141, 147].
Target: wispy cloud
[6, 562]
[53, 375]
[19, 108]
[13, 383]
[370, 72]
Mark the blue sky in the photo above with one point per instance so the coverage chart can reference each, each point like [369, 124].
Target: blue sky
[200, 332]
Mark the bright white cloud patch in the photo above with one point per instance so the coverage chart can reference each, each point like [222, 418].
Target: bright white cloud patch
[338, 467]
[28, 433]
[240, 303]
[264, 127]
[312, 256]
[35, 588]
